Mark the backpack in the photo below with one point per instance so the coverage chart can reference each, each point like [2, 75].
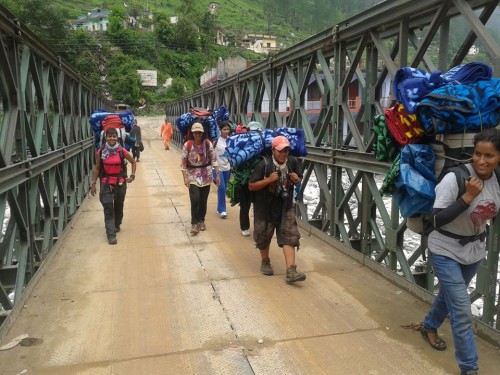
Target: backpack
[123, 173]
[112, 121]
[240, 176]
[422, 223]
[200, 113]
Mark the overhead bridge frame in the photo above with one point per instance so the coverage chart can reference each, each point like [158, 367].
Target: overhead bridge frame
[368, 48]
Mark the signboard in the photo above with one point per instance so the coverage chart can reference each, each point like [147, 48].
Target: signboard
[148, 77]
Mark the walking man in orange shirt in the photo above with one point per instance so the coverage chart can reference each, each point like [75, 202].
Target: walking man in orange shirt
[166, 133]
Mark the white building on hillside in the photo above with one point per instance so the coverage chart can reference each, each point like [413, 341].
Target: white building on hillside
[98, 20]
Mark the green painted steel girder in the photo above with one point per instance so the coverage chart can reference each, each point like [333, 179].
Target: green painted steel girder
[46, 152]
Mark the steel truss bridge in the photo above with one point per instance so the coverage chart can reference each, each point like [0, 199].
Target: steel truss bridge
[369, 48]
[46, 153]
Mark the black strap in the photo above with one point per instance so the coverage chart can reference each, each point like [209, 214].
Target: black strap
[191, 166]
[464, 240]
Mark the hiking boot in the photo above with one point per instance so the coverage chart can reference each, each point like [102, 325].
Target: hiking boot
[266, 268]
[245, 233]
[112, 240]
[292, 275]
[195, 229]
[202, 226]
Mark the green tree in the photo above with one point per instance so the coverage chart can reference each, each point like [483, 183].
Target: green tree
[123, 79]
[180, 87]
[116, 23]
[47, 20]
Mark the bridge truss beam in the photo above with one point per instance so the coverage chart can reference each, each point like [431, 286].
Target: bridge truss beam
[46, 153]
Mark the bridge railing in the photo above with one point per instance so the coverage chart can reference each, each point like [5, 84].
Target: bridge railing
[363, 52]
[46, 153]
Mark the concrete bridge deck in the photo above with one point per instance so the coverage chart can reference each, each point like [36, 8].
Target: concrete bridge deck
[165, 302]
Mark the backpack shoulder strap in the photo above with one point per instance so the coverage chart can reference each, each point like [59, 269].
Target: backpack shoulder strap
[266, 163]
[101, 164]
[122, 158]
[189, 145]
[292, 163]
[497, 172]
[462, 173]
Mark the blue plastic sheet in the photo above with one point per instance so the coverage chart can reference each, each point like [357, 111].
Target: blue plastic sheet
[416, 181]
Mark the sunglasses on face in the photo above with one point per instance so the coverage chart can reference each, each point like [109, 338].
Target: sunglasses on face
[286, 150]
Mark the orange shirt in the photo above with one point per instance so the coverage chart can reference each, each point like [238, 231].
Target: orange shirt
[166, 130]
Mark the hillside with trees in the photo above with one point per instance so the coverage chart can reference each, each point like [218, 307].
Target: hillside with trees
[180, 52]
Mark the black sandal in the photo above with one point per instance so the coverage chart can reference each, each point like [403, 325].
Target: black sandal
[438, 343]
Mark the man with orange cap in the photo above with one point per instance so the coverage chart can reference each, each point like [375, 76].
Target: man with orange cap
[273, 181]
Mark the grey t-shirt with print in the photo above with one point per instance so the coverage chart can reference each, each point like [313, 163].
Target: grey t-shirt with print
[470, 222]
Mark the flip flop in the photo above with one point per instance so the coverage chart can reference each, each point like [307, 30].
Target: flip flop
[438, 343]
[14, 342]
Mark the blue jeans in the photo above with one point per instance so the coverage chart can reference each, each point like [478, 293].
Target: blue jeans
[453, 298]
[221, 191]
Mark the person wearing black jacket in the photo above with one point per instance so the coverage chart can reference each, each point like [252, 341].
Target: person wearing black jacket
[273, 181]
[135, 132]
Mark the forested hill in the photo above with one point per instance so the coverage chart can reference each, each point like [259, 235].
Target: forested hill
[179, 52]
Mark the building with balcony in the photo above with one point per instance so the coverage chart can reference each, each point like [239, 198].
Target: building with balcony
[260, 43]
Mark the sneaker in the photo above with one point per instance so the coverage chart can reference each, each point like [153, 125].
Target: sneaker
[202, 226]
[245, 233]
[266, 268]
[223, 215]
[292, 275]
[112, 240]
[195, 229]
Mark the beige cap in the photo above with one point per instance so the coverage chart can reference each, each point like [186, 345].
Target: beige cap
[197, 127]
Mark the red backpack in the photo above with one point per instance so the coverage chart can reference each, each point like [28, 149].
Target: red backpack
[112, 121]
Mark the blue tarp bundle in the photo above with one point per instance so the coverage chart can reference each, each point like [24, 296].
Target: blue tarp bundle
[244, 146]
[96, 118]
[462, 108]
[220, 114]
[411, 85]
[127, 118]
[416, 181]
[185, 121]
